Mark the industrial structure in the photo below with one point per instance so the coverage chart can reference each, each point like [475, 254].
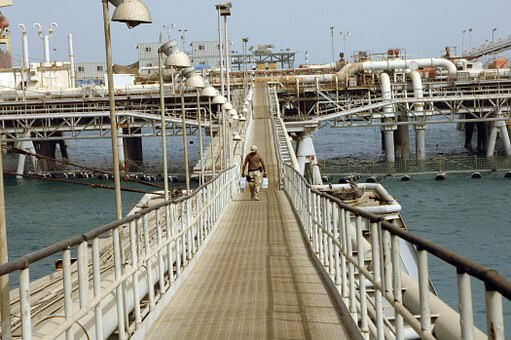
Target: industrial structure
[311, 260]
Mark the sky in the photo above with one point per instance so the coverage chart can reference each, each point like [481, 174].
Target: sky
[422, 28]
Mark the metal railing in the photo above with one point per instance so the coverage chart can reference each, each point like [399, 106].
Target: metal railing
[283, 148]
[148, 253]
[361, 253]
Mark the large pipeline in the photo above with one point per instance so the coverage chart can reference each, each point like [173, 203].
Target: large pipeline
[393, 64]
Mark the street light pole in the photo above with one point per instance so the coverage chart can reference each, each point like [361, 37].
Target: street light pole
[227, 59]
[163, 132]
[221, 50]
[332, 32]
[345, 36]
[113, 118]
[4, 257]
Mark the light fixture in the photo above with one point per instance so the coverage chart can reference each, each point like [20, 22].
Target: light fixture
[219, 100]
[236, 137]
[195, 81]
[209, 91]
[243, 119]
[227, 106]
[178, 59]
[131, 12]
[245, 110]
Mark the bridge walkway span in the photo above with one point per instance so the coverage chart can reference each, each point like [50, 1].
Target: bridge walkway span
[255, 278]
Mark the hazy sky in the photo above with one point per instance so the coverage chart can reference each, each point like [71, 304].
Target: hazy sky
[422, 28]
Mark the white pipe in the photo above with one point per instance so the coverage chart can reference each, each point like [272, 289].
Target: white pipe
[71, 59]
[420, 145]
[392, 64]
[391, 206]
[388, 112]
[46, 43]
[24, 39]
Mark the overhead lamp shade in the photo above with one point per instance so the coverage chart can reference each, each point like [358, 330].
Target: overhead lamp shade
[227, 106]
[236, 137]
[209, 91]
[178, 59]
[243, 119]
[133, 13]
[219, 100]
[195, 82]
[167, 47]
[245, 110]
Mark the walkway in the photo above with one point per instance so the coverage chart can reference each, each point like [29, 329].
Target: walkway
[254, 278]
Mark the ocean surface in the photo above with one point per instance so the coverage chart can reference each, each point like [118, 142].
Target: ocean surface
[470, 217]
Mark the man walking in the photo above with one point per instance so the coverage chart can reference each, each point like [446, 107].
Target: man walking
[253, 167]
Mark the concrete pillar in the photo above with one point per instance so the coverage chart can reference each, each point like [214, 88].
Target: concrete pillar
[26, 145]
[120, 147]
[420, 142]
[505, 139]
[306, 154]
[47, 149]
[389, 144]
[403, 140]
[482, 137]
[133, 151]
[469, 131]
[490, 151]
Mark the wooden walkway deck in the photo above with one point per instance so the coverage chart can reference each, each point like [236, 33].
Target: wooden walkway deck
[254, 279]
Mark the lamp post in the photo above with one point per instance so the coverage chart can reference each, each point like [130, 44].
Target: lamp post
[210, 92]
[220, 101]
[180, 60]
[164, 50]
[493, 30]
[224, 9]
[220, 50]
[345, 36]
[196, 82]
[469, 30]
[133, 13]
[245, 66]
[183, 37]
[332, 33]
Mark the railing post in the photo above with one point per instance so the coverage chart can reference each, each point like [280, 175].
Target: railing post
[149, 273]
[375, 245]
[26, 318]
[161, 268]
[396, 279]
[387, 258]
[83, 273]
[328, 212]
[465, 303]
[424, 290]
[189, 231]
[337, 274]
[310, 215]
[134, 277]
[361, 279]
[320, 230]
[494, 317]
[68, 290]
[344, 276]
[119, 291]
[351, 273]
[170, 264]
[315, 216]
[96, 268]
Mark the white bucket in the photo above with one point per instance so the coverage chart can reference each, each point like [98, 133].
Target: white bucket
[243, 183]
[264, 184]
